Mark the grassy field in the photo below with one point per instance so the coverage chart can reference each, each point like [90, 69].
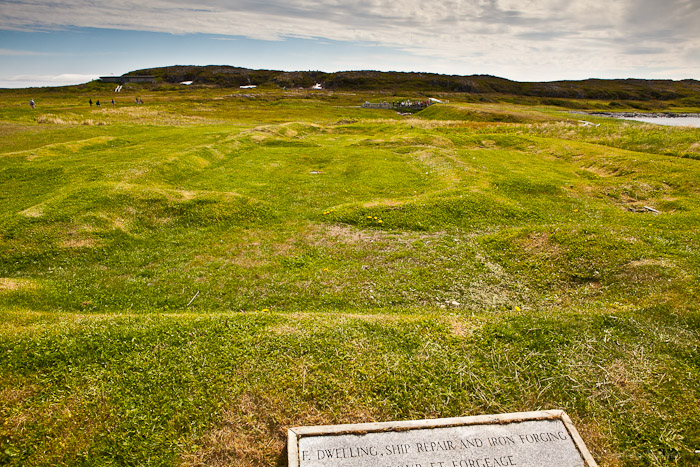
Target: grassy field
[183, 280]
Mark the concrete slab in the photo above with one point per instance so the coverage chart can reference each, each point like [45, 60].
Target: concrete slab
[538, 439]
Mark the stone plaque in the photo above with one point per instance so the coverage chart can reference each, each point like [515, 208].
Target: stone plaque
[536, 439]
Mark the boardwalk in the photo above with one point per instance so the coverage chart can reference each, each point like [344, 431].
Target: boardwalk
[399, 105]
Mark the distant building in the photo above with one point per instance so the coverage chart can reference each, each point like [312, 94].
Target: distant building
[129, 79]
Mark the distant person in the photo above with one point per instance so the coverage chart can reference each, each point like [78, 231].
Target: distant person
[140, 101]
[136, 100]
[97, 103]
[31, 103]
[113, 103]
[90, 101]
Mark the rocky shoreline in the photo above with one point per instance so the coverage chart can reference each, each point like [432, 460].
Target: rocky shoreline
[639, 114]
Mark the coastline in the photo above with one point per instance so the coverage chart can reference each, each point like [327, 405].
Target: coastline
[639, 114]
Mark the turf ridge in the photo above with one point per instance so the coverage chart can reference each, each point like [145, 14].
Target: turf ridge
[186, 280]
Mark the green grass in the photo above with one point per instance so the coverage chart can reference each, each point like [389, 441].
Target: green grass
[182, 281]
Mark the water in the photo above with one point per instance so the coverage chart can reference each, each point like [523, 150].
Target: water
[668, 121]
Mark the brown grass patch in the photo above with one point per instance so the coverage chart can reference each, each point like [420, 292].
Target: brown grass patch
[482, 294]
[622, 378]
[10, 284]
[633, 203]
[432, 141]
[651, 262]
[348, 235]
[253, 433]
[497, 289]
[247, 436]
[461, 327]
[627, 379]
[120, 224]
[648, 270]
[603, 172]
[149, 116]
[79, 242]
[288, 132]
[288, 247]
[431, 124]
[250, 259]
[12, 396]
[540, 243]
[67, 120]
[598, 442]
[34, 211]
[325, 235]
[258, 138]
[383, 203]
[284, 130]
[286, 330]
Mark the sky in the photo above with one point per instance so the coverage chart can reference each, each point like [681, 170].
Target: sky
[59, 42]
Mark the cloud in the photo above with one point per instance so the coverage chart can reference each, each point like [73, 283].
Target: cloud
[534, 36]
[57, 80]
[21, 53]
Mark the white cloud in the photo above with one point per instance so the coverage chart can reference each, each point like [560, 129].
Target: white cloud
[20, 53]
[535, 37]
[56, 80]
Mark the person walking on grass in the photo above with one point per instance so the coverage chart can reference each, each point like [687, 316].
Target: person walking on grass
[31, 103]
[97, 103]
[90, 101]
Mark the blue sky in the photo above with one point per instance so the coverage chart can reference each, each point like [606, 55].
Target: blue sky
[48, 43]
[89, 52]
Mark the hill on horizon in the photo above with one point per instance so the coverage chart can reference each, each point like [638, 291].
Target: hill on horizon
[368, 80]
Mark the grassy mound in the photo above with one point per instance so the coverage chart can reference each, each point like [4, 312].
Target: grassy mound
[180, 285]
[452, 112]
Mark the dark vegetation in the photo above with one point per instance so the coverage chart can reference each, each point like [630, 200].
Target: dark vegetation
[621, 89]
